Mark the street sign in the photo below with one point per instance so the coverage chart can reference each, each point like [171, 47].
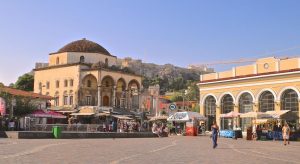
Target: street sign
[172, 106]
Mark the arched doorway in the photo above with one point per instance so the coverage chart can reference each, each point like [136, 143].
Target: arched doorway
[245, 105]
[107, 84]
[266, 101]
[210, 111]
[227, 106]
[105, 101]
[88, 92]
[133, 89]
[289, 101]
[120, 93]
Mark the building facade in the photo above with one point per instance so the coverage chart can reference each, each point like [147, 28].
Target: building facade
[83, 73]
[269, 84]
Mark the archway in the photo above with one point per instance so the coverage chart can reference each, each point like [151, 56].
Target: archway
[89, 90]
[106, 101]
[120, 93]
[133, 89]
[227, 106]
[245, 105]
[266, 101]
[289, 101]
[210, 111]
[107, 84]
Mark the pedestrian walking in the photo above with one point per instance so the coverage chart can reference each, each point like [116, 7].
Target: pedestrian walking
[286, 133]
[215, 131]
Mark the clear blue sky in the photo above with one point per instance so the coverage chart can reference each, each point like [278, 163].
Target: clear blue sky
[158, 31]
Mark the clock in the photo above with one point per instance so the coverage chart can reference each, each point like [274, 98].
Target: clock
[266, 65]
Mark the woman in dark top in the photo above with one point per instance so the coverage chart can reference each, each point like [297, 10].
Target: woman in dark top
[215, 131]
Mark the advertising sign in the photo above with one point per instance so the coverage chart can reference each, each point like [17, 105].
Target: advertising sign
[2, 107]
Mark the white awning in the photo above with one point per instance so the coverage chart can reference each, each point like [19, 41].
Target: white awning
[65, 111]
[277, 114]
[122, 117]
[82, 114]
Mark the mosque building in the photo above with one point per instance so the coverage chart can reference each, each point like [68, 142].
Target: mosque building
[83, 73]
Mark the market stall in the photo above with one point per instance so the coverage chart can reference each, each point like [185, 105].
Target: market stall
[186, 122]
[233, 131]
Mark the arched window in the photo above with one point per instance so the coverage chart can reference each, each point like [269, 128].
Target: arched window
[81, 59]
[106, 62]
[89, 83]
[227, 104]
[245, 105]
[266, 101]
[289, 100]
[107, 84]
[226, 107]
[57, 60]
[210, 110]
[210, 106]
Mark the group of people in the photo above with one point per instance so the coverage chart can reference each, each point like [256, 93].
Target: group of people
[160, 129]
[285, 130]
[129, 126]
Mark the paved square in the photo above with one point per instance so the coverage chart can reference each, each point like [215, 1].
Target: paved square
[174, 149]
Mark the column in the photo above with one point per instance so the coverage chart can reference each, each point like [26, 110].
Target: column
[236, 120]
[114, 95]
[126, 99]
[277, 106]
[99, 96]
[218, 119]
[138, 101]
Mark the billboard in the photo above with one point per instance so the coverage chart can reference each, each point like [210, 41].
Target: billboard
[2, 107]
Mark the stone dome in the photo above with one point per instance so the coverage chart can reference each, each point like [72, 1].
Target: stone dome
[84, 46]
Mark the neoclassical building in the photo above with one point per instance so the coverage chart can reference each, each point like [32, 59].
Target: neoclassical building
[83, 73]
[269, 84]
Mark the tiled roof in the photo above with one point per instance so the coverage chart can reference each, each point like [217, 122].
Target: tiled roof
[84, 46]
[18, 92]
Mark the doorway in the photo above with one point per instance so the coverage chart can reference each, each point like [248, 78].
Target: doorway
[105, 101]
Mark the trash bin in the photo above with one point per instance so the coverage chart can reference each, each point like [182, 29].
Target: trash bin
[56, 130]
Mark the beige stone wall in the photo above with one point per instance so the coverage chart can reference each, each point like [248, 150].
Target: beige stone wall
[209, 76]
[63, 58]
[225, 74]
[244, 70]
[287, 64]
[267, 65]
[74, 57]
[57, 74]
[263, 65]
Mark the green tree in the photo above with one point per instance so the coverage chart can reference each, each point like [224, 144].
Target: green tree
[25, 82]
[177, 96]
[196, 108]
[23, 107]
[192, 91]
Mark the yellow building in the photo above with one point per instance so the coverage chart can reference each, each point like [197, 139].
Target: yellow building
[83, 73]
[269, 84]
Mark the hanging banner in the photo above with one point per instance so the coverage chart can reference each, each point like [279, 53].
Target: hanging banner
[2, 107]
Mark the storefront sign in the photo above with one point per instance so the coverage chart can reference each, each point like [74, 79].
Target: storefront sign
[2, 107]
[172, 106]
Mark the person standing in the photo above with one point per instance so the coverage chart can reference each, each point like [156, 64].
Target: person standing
[215, 131]
[286, 133]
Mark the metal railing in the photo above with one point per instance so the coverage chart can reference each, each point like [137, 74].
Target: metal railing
[71, 127]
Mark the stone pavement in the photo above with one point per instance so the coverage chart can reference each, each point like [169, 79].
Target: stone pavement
[174, 149]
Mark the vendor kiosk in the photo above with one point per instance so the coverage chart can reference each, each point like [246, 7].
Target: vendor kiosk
[186, 123]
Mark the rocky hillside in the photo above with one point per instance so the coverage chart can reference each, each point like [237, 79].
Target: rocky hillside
[169, 77]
